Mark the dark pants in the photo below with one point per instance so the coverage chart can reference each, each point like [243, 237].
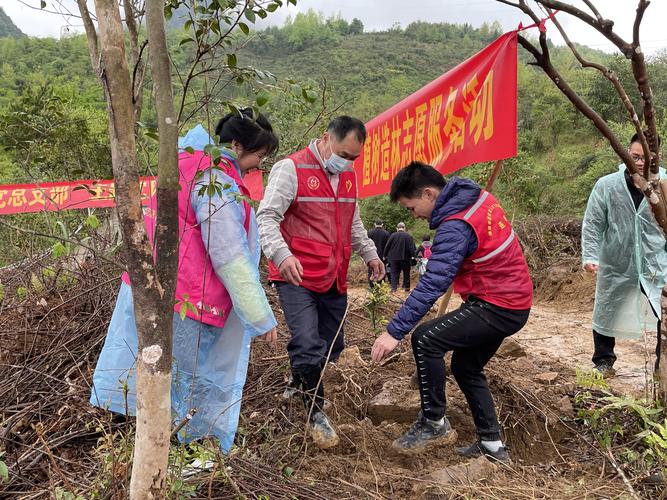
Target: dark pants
[474, 332]
[398, 267]
[313, 320]
[604, 345]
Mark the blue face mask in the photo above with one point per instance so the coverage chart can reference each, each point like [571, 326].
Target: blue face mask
[337, 164]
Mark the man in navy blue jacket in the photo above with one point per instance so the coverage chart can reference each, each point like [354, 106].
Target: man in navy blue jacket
[474, 248]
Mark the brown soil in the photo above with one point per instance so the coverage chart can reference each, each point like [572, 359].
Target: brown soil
[553, 455]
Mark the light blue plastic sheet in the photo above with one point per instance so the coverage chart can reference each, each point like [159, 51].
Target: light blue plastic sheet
[209, 371]
[629, 248]
[196, 138]
[210, 363]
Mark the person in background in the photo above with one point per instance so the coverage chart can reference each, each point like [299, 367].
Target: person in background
[476, 249]
[379, 235]
[399, 252]
[220, 303]
[621, 242]
[309, 225]
[423, 254]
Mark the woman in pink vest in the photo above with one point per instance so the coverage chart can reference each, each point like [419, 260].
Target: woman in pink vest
[476, 250]
[220, 303]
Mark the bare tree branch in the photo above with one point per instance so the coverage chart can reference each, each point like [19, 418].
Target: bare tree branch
[620, 90]
[630, 51]
[524, 7]
[604, 26]
[594, 10]
[640, 74]
[641, 8]
[647, 188]
[67, 12]
[131, 15]
[138, 73]
[91, 36]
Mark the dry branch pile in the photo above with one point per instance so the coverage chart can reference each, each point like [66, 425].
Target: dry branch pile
[52, 328]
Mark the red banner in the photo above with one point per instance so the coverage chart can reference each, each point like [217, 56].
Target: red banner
[466, 116]
[51, 196]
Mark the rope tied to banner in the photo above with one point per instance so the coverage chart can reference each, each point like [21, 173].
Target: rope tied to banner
[541, 25]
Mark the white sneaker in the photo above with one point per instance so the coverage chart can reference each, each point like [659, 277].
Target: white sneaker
[196, 467]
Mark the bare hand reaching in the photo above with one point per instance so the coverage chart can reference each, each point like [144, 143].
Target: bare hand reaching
[271, 337]
[291, 270]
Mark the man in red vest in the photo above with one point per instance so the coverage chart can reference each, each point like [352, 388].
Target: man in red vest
[309, 225]
[476, 248]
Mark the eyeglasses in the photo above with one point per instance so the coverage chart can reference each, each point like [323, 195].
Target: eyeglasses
[637, 157]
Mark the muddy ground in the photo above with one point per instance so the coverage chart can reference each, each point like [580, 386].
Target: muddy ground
[56, 445]
[534, 383]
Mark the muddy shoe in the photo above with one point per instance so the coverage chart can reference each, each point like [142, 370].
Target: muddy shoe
[323, 434]
[477, 449]
[423, 434]
[605, 369]
[292, 390]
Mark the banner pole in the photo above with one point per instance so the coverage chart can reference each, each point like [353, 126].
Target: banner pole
[444, 301]
[494, 175]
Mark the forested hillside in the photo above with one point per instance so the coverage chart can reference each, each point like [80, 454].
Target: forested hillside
[7, 27]
[53, 126]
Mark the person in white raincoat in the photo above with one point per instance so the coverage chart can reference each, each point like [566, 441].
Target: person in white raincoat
[622, 243]
[219, 245]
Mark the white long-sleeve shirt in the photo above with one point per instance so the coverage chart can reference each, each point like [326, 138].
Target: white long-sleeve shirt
[279, 195]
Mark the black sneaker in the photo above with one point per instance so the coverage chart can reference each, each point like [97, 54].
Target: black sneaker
[424, 433]
[477, 449]
[323, 434]
[605, 369]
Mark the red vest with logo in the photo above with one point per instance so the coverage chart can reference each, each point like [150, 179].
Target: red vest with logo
[318, 225]
[497, 271]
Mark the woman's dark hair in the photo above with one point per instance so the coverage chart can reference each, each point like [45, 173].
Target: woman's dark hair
[254, 133]
[411, 180]
[426, 237]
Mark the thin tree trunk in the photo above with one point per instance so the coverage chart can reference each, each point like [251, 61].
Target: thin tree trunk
[152, 302]
[151, 449]
[91, 36]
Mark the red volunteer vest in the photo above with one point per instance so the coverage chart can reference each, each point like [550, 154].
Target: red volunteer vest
[497, 271]
[318, 225]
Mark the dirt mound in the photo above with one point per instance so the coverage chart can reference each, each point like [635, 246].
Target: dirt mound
[567, 284]
[553, 251]
[53, 439]
[371, 405]
[547, 241]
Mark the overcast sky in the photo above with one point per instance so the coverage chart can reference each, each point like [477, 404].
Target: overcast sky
[382, 14]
